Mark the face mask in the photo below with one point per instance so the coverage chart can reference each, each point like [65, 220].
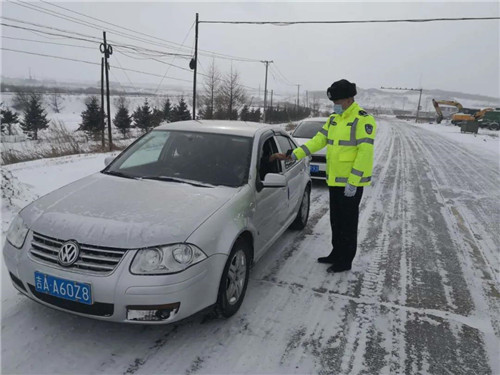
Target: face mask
[337, 108]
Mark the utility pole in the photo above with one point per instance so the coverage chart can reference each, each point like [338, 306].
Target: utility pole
[405, 89]
[102, 104]
[418, 106]
[265, 88]
[107, 49]
[194, 65]
[298, 90]
[271, 104]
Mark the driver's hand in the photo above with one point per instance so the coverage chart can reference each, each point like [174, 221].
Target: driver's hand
[278, 156]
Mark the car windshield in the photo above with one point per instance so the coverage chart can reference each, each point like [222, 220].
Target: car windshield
[202, 159]
[308, 129]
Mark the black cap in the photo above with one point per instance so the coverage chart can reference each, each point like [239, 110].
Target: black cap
[341, 90]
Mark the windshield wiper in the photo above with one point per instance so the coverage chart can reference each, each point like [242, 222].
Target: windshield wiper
[119, 174]
[176, 179]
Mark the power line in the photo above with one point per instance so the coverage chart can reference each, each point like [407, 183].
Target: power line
[288, 23]
[84, 37]
[45, 42]
[109, 23]
[93, 25]
[173, 59]
[281, 76]
[90, 62]
[82, 22]
[155, 59]
[78, 37]
[124, 72]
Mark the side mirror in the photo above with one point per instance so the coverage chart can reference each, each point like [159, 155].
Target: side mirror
[108, 160]
[274, 180]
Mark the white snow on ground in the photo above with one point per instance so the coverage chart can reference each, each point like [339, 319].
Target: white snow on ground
[485, 140]
[423, 295]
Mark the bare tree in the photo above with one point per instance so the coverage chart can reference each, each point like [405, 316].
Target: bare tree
[232, 95]
[211, 87]
[121, 101]
[55, 101]
[315, 106]
[22, 98]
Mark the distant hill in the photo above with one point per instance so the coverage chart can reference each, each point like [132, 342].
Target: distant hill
[408, 100]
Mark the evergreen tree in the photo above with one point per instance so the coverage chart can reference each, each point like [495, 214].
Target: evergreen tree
[181, 112]
[143, 117]
[8, 118]
[92, 118]
[255, 115]
[167, 110]
[156, 117]
[122, 120]
[35, 118]
[245, 113]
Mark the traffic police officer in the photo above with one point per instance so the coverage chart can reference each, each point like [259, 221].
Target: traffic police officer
[348, 135]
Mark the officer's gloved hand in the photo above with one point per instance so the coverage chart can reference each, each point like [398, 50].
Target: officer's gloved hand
[350, 190]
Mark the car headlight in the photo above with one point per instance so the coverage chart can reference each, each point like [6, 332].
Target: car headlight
[166, 259]
[17, 232]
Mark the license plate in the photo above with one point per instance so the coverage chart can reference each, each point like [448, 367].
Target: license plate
[62, 288]
[314, 168]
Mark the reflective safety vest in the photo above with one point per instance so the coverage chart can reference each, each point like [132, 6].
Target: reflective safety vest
[349, 140]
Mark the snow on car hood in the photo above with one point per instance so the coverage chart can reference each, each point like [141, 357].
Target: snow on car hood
[301, 141]
[105, 210]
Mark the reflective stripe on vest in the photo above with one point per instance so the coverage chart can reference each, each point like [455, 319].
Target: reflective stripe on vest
[352, 140]
[324, 132]
[340, 179]
[306, 150]
[364, 140]
[366, 179]
[330, 142]
[356, 172]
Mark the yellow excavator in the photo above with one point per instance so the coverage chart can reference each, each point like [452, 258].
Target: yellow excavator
[463, 115]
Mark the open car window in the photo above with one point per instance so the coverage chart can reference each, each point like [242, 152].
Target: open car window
[215, 159]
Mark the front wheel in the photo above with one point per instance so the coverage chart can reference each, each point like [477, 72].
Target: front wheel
[234, 280]
[303, 215]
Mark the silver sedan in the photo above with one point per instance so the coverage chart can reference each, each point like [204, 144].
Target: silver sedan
[168, 228]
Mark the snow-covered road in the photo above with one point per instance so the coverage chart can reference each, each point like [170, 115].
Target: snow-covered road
[423, 296]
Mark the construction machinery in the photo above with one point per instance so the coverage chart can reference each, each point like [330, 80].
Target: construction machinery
[464, 115]
[436, 104]
[490, 120]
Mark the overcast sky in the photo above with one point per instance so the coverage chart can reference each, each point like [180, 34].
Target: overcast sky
[458, 56]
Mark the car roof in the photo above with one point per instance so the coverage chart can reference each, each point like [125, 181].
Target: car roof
[323, 119]
[240, 128]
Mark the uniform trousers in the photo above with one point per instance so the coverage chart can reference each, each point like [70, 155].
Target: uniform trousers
[344, 214]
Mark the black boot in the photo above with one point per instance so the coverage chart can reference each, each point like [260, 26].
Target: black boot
[335, 269]
[328, 259]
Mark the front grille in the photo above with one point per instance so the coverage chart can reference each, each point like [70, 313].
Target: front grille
[97, 308]
[97, 259]
[318, 159]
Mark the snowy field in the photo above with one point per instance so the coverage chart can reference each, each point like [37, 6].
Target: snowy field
[423, 296]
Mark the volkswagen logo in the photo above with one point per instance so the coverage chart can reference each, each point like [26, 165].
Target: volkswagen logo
[68, 254]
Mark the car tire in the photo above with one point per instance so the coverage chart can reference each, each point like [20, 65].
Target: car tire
[300, 221]
[234, 280]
